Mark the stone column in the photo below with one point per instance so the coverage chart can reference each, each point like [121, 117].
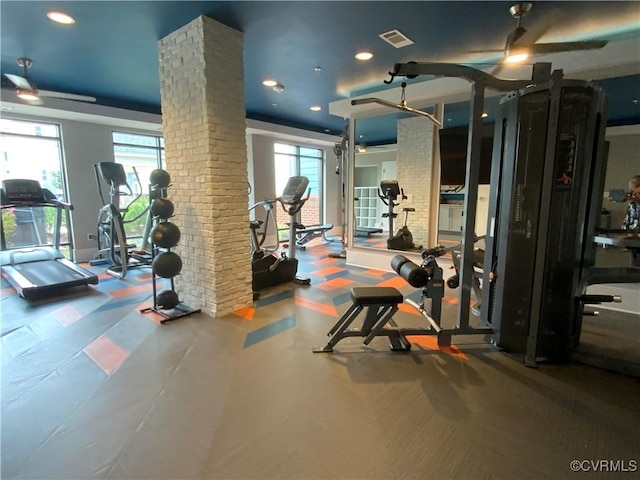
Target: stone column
[414, 164]
[203, 121]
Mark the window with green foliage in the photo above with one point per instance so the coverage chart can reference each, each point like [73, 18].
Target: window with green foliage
[32, 151]
[140, 155]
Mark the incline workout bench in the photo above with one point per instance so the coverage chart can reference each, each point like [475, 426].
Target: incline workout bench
[311, 232]
[382, 304]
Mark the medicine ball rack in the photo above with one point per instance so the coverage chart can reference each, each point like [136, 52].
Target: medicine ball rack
[165, 263]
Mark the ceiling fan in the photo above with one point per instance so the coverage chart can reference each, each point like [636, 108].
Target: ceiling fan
[522, 43]
[27, 90]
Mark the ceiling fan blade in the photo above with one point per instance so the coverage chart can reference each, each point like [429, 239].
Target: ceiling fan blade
[19, 81]
[486, 50]
[66, 96]
[568, 46]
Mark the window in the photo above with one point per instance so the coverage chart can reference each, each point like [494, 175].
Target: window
[144, 153]
[33, 151]
[292, 160]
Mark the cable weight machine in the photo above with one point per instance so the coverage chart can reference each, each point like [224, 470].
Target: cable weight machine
[546, 188]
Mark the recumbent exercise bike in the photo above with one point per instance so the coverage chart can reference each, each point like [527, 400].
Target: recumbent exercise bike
[389, 192]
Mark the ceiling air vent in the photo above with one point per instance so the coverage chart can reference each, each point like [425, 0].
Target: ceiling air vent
[396, 38]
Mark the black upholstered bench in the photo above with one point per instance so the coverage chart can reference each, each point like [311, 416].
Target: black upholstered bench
[381, 304]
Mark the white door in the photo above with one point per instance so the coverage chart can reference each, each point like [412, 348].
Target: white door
[389, 171]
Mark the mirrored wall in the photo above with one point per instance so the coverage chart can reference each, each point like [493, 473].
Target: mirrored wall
[393, 146]
[429, 164]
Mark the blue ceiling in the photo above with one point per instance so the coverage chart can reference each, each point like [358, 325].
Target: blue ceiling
[111, 51]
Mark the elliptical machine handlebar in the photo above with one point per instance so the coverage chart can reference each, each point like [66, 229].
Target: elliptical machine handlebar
[294, 206]
[113, 175]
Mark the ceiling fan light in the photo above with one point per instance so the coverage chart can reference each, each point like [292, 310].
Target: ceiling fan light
[516, 56]
[28, 95]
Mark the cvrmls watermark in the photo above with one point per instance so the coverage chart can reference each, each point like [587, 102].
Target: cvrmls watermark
[604, 465]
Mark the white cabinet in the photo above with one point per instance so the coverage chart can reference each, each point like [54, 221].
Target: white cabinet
[451, 217]
[366, 207]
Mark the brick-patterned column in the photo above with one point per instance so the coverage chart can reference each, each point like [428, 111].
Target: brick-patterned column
[203, 120]
[414, 159]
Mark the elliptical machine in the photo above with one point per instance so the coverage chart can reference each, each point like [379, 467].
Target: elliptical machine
[389, 192]
[270, 270]
[112, 240]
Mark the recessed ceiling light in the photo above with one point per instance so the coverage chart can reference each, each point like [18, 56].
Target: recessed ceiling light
[364, 56]
[485, 115]
[269, 83]
[315, 108]
[60, 17]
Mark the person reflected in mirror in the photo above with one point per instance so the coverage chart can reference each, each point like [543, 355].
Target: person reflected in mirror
[631, 220]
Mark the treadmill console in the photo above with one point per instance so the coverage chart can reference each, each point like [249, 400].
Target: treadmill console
[294, 190]
[22, 191]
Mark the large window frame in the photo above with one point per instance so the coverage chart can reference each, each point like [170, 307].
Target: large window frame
[33, 150]
[292, 160]
[145, 152]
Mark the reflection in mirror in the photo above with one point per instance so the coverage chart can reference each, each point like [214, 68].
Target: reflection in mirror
[398, 146]
[394, 146]
[453, 152]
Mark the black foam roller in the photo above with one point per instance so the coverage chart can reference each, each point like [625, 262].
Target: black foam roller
[397, 262]
[414, 275]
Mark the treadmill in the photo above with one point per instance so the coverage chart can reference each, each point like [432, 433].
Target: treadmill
[37, 271]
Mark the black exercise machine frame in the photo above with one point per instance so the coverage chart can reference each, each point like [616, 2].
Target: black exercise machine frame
[381, 304]
[480, 81]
